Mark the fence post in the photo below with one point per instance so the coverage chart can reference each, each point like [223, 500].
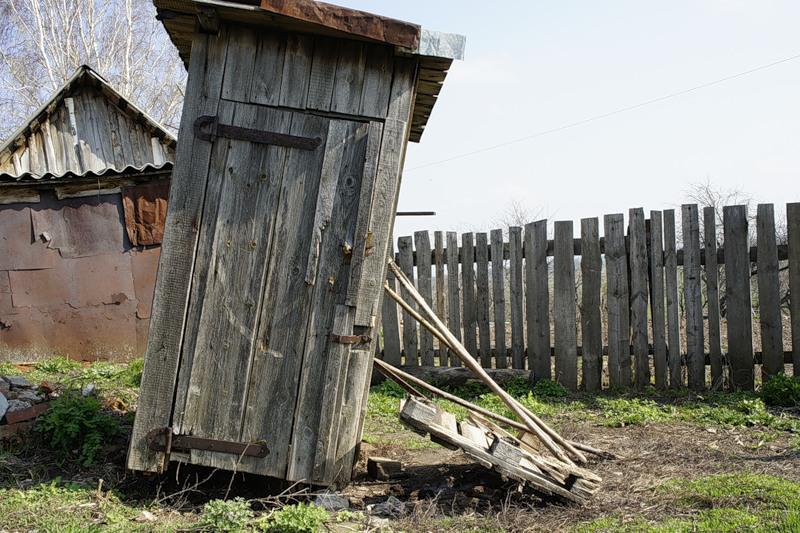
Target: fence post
[737, 296]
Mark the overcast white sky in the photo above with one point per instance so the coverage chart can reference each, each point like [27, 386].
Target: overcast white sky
[536, 65]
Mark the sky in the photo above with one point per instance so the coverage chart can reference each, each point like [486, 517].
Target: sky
[533, 66]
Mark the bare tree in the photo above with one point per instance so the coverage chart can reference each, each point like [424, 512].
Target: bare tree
[43, 42]
[516, 214]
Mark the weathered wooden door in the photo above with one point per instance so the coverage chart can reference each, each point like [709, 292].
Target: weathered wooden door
[272, 272]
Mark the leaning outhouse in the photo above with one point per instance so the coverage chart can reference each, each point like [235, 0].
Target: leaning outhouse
[282, 202]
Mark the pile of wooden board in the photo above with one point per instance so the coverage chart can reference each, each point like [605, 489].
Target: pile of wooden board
[536, 455]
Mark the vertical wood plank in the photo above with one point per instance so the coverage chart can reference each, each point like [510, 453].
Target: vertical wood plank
[537, 299]
[692, 298]
[441, 292]
[737, 297]
[619, 366]
[323, 72]
[712, 296]
[468, 293]
[389, 317]
[793, 234]
[564, 306]
[482, 298]
[422, 243]
[673, 304]
[769, 297]
[349, 78]
[515, 280]
[269, 66]
[499, 298]
[296, 70]
[453, 291]
[591, 320]
[239, 64]
[377, 81]
[639, 300]
[657, 300]
[410, 342]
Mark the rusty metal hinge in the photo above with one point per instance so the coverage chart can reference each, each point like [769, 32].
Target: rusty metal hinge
[207, 128]
[351, 339]
[162, 440]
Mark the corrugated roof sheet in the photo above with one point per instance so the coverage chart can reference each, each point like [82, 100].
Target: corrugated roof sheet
[29, 177]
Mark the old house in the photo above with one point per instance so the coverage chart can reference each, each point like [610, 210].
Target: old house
[83, 198]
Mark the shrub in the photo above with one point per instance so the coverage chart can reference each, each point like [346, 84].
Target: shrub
[300, 518]
[545, 388]
[226, 515]
[75, 426]
[781, 391]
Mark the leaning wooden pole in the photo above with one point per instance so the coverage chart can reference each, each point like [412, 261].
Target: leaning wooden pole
[476, 369]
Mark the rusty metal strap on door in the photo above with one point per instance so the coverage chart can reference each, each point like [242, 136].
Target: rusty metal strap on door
[208, 128]
[162, 440]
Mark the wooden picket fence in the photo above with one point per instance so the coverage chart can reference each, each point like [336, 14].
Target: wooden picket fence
[638, 311]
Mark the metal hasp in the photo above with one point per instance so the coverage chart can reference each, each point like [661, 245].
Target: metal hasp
[162, 440]
[208, 128]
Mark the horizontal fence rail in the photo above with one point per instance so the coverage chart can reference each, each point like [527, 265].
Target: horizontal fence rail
[672, 300]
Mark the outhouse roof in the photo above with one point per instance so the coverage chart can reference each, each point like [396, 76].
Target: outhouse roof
[436, 50]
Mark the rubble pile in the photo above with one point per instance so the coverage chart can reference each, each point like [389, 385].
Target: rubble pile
[20, 403]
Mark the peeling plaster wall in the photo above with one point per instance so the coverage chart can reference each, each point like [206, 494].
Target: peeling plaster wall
[71, 284]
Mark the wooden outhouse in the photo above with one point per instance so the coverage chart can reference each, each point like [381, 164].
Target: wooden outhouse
[282, 202]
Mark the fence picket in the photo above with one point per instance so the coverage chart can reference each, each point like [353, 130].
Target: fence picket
[591, 320]
[737, 297]
[566, 345]
[537, 299]
[657, 299]
[712, 297]
[673, 304]
[692, 298]
[422, 244]
[482, 297]
[769, 296]
[499, 298]
[793, 235]
[441, 293]
[639, 296]
[468, 293]
[410, 346]
[619, 366]
[515, 280]
[391, 326]
[453, 292]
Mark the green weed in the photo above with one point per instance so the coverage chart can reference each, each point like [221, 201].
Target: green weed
[781, 391]
[299, 518]
[230, 516]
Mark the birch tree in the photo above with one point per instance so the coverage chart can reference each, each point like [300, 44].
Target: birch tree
[43, 42]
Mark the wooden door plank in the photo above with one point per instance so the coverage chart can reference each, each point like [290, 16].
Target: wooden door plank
[296, 70]
[657, 300]
[482, 298]
[468, 297]
[619, 367]
[712, 296]
[517, 297]
[441, 290]
[692, 298]
[537, 299]
[347, 89]
[239, 64]
[405, 249]
[793, 237]
[268, 68]
[737, 297]
[323, 73]
[673, 304]
[377, 83]
[769, 297]
[639, 300]
[453, 290]
[422, 243]
[499, 298]
[591, 320]
[187, 194]
[564, 313]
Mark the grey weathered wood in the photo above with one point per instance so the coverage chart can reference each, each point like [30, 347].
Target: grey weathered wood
[639, 297]
[564, 313]
[619, 366]
[482, 298]
[517, 297]
[410, 341]
[657, 300]
[737, 297]
[712, 296]
[769, 297]
[377, 83]
[498, 298]
[468, 297]
[323, 74]
[296, 70]
[537, 299]
[441, 291]
[591, 319]
[172, 286]
[239, 65]
[349, 80]
[268, 68]
[692, 298]
[793, 237]
[422, 243]
[391, 326]
[453, 290]
[673, 304]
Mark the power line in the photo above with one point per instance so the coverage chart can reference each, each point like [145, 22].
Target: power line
[606, 115]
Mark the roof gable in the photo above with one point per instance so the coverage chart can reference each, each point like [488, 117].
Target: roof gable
[85, 127]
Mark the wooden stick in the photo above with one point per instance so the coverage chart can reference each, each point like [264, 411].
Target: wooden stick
[411, 311]
[473, 365]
